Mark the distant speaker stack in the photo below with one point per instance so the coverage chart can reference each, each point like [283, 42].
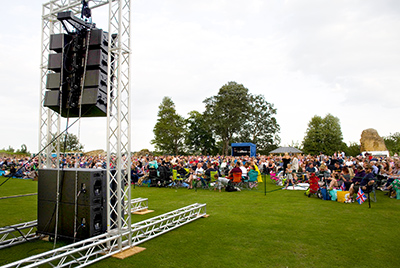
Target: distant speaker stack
[82, 207]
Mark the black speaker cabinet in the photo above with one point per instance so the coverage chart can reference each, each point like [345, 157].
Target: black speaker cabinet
[59, 41]
[55, 62]
[52, 100]
[53, 81]
[90, 220]
[97, 79]
[94, 103]
[83, 197]
[98, 39]
[85, 185]
[97, 59]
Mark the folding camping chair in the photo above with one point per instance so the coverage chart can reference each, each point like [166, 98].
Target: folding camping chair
[237, 179]
[252, 181]
[213, 182]
[176, 179]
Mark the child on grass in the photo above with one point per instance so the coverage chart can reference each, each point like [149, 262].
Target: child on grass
[290, 177]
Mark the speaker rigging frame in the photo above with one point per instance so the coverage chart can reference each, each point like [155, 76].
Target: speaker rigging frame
[118, 121]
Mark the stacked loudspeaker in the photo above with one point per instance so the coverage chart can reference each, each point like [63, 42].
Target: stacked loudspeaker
[82, 211]
[69, 68]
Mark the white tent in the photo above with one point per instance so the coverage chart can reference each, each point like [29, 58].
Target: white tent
[282, 150]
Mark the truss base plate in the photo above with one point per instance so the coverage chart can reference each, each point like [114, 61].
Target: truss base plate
[142, 212]
[45, 238]
[127, 253]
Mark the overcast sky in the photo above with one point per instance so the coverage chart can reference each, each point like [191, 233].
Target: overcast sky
[307, 57]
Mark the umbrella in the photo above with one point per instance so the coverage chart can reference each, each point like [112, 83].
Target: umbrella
[282, 150]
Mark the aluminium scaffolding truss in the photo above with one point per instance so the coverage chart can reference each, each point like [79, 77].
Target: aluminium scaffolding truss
[139, 204]
[118, 106]
[23, 232]
[17, 234]
[96, 248]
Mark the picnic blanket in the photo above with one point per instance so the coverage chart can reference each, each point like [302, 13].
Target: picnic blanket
[299, 186]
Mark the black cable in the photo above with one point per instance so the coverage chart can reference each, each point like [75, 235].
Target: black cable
[59, 190]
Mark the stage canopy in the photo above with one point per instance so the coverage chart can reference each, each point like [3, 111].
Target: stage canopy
[243, 148]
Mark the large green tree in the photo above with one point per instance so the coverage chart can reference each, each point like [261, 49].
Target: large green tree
[199, 137]
[392, 143]
[226, 112]
[260, 126]
[323, 135]
[169, 130]
[69, 143]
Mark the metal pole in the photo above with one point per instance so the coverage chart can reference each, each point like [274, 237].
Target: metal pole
[265, 185]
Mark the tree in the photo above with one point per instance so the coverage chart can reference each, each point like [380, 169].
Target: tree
[226, 112]
[353, 149]
[296, 144]
[69, 143]
[24, 149]
[323, 135]
[169, 129]
[392, 143]
[199, 137]
[260, 127]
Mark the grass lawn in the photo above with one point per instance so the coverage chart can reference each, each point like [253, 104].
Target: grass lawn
[244, 229]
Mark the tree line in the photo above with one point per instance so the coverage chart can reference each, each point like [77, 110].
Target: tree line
[236, 115]
[324, 135]
[233, 115]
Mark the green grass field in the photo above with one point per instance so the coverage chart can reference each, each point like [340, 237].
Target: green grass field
[244, 229]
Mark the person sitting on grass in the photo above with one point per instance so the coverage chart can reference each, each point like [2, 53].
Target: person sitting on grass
[390, 173]
[244, 169]
[12, 172]
[366, 182]
[324, 172]
[198, 173]
[338, 179]
[253, 176]
[181, 171]
[394, 186]
[191, 177]
[207, 174]
[309, 169]
[221, 182]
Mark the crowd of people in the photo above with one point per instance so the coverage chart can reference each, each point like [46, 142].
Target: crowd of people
[345, 173]
[337, 170]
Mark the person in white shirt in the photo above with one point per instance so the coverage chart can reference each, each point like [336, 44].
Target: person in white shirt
[198, 173]
[244, 170]
[295, 163]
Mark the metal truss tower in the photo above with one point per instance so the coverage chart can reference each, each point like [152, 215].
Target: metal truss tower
[118, 113]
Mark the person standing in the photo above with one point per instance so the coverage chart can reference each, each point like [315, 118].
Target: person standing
[285, 161]
[295, 163]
